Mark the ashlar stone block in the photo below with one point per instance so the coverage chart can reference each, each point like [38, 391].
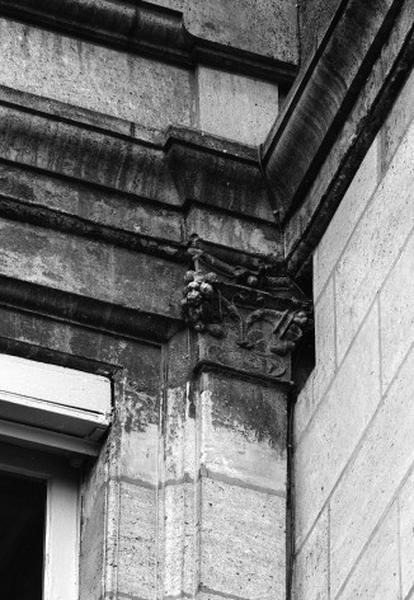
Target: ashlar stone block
[372, 480]
[377, 573]
[137, 556]
[242, 541]
[311, 571]
[375, 244]
[346, 217]
[337, 426]
[397, 313]
[95, 77]
[406, 503]
[234, 106]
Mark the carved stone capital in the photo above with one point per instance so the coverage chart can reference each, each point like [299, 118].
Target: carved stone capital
[250, 317]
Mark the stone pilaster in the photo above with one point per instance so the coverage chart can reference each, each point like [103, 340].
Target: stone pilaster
[224, 460]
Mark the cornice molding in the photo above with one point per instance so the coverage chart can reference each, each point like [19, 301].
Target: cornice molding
[322, 98]
[146, 29]
[377, 95]
[86, 312]
[171, 168]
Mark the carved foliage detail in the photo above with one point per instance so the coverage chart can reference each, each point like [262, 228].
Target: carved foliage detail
[198, 304]
[286, 328]
[259, 339]
[270, 335]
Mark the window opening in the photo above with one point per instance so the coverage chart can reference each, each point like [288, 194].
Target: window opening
[22, 527]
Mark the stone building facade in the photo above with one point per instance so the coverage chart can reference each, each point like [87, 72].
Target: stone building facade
[206, 312]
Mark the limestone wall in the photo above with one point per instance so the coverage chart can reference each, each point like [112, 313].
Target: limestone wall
[147, 92]
[354, 420]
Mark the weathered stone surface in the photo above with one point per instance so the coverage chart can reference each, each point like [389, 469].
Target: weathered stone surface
[397, 123]
[314, 19]
[242, 432]
[137, 541]
[236, 107]
[376, 575]
[371, 480]
[219, 173]
[247, 236]
[181, 459]
[243, 541]
[375, 244]
[138, 458]
[346, 217]
[313, 116]
[90, 155]
[305, 406]
[181, 535]
[92, 548]
[180, 168]
[380, 87]
[406, 528]
[96, 205]
[88, 268]
[311, 576]
[397, 313]
[325, 343]
[94, 77]
[254, 342]
[337, 426]
[264, 27]
[92, 538]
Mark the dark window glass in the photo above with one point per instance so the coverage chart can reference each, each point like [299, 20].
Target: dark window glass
[22, 523]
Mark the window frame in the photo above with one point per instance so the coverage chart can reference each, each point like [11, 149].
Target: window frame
[50, 416]
[61, 551]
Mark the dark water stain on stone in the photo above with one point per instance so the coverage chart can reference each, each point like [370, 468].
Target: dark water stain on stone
[251, 410]
[139, 410]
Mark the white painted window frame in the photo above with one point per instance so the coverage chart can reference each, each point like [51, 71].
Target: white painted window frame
[62, 518]
[39, 405]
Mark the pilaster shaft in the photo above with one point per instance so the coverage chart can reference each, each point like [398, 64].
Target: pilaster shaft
[226, 421]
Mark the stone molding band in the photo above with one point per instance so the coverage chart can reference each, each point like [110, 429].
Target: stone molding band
[147, 29]
[88, 312]
[312, 118]
[300, 248]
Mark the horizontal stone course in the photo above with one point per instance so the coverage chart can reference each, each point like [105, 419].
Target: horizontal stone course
[94, 77]
[89, 268]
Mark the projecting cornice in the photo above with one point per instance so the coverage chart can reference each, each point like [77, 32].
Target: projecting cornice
[331, 117]
[322, 98]
[144, 28]
[173, 168]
